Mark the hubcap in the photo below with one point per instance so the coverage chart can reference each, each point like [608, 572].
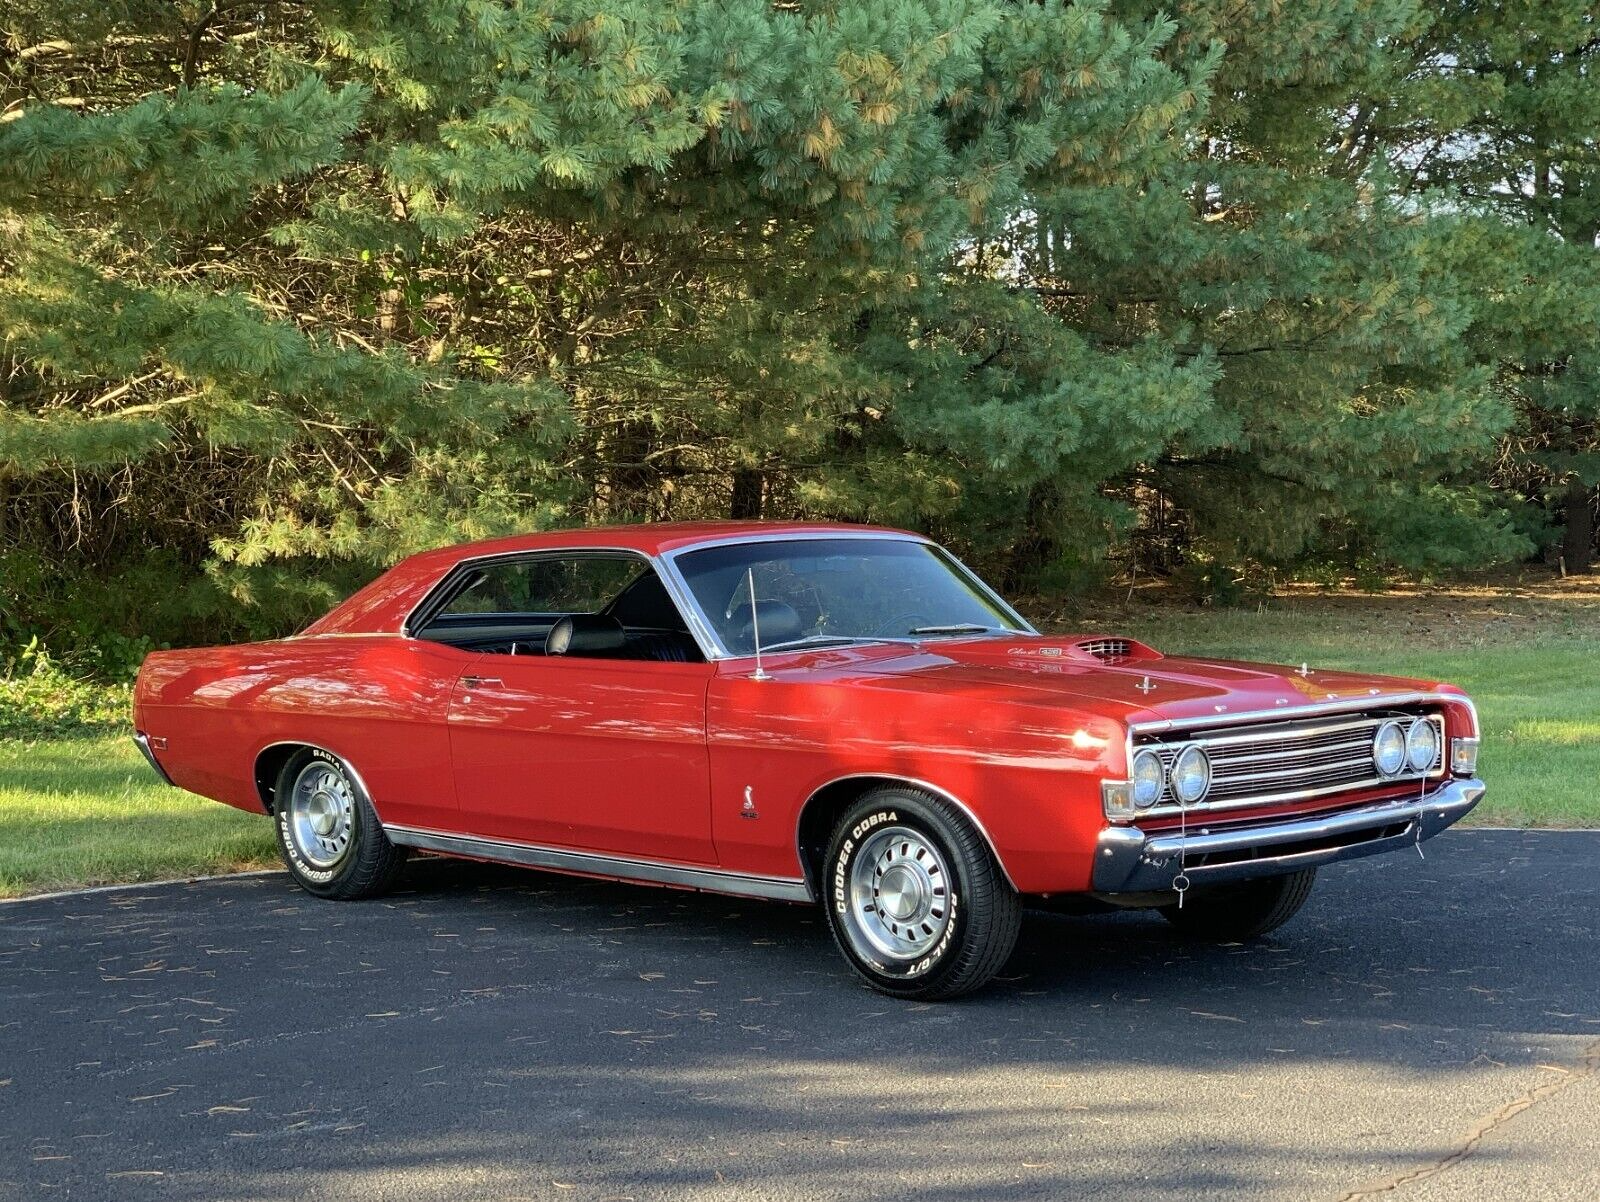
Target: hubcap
[321, 814]
[900, 895]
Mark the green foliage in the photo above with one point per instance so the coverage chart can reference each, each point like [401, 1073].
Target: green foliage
[41, 698]
[299, 288]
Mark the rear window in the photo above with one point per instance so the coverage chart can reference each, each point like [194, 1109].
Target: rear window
[578, 585]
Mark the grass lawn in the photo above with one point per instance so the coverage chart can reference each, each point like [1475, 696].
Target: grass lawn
[79, 806]
[85, 809]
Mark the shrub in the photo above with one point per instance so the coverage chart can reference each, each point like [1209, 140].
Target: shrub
[39, 697]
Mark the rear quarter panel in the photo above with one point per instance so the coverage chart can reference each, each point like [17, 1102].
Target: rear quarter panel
[379, 702]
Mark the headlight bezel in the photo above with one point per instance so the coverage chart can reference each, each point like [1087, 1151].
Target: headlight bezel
[1156, 783]
[1391, 726]
[1420, 726]
[1189, 752]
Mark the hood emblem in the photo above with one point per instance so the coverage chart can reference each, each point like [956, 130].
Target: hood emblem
[1145, 685]
[1303, 670]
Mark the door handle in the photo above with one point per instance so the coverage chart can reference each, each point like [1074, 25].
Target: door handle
[477, 682]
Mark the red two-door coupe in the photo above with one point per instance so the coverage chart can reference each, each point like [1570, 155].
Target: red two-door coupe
[808, 713]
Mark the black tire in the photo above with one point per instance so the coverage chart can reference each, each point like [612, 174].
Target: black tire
[1245, 910]
[978, 912]
[364, 863]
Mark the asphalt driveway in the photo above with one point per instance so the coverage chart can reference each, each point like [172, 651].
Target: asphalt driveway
[1427, 1028]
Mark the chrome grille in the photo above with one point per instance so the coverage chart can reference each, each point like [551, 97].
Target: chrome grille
[1105, 648]
[1287, 761]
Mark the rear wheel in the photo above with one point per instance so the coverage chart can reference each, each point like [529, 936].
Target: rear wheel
[328, 834]
[1230, 913]
[914, 897]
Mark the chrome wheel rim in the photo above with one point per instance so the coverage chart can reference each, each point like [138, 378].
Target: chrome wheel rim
[321, 814]
[900, 895]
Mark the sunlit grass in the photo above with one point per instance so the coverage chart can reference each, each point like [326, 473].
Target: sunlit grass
[87, 810]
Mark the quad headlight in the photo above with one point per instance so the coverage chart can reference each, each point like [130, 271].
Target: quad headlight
[1188, 780]
[1389, 749]
[1148, 777]
[1191, 775]
[1422, 745]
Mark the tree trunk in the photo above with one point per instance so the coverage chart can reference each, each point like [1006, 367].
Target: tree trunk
[1577, 543]
[748, 487]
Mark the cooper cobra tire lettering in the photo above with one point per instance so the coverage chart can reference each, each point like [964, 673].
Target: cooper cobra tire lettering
[372, 862]
[940, 878]
[847, 850]
[320, 876]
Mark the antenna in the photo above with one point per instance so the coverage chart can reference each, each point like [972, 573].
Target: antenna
[755, 622]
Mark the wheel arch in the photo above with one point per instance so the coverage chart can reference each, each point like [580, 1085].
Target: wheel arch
[828, 802]
[269, 764]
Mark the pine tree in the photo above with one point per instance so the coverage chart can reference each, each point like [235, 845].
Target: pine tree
[1345, 417]
[1501, 114]
[321, 283]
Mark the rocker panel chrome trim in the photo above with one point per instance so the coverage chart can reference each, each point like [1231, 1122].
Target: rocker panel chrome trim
[622, 868]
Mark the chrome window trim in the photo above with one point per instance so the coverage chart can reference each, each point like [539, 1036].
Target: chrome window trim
[669, 564]
[674, 585]
[609, 865]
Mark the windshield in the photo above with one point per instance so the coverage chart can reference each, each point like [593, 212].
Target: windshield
[826, 590]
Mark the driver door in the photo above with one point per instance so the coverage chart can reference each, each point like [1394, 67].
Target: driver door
[604, 754]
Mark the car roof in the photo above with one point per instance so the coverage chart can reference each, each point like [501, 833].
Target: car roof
[653, 538]
[381, 607]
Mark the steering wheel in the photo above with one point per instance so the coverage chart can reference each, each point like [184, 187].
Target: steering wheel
[904, 623]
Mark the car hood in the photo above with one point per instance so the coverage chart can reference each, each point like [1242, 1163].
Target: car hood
[1141, 687]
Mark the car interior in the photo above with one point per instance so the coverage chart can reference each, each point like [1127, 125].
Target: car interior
[641, 622]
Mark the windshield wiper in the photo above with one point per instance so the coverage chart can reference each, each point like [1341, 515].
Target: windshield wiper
[814, 640]
[956, 628]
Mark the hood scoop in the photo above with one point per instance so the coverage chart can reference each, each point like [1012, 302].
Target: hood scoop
[1101, 648]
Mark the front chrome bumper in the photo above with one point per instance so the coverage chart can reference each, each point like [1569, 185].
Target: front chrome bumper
[1129, 861]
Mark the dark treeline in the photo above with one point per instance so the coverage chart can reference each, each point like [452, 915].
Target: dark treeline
[290, 288]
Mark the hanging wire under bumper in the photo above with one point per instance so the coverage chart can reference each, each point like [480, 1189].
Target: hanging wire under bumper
[1129, 861]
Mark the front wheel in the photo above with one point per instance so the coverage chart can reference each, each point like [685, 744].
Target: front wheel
[1233, 913]
[914, 897]
[328, 833]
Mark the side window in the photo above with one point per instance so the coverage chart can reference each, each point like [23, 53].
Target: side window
[580, 585]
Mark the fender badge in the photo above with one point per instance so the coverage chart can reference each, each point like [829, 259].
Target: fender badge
[748, 810]
[1144, 686]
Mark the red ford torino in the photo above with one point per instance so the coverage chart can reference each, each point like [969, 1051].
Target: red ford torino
[812, 713]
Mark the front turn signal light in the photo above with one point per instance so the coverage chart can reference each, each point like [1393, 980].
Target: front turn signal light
[1464, 756]
[1116, 798]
